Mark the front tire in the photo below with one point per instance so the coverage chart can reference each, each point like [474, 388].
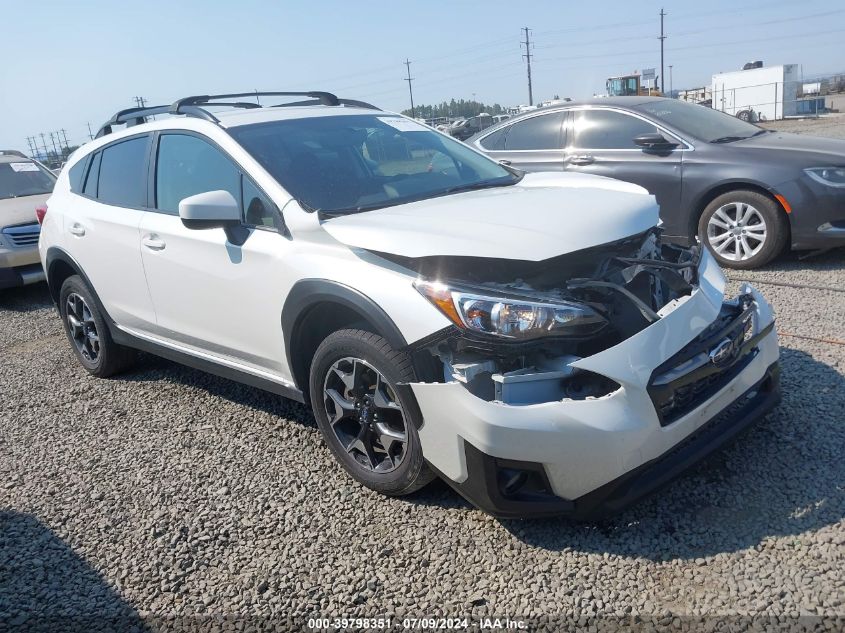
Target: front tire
[88, 332]
[743, 229]
[369, 425]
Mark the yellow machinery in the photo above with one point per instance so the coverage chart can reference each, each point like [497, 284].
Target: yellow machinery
[629, 86]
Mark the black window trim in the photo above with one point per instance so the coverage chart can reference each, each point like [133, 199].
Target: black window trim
[685, 145]
[90, 160]
[153, 163]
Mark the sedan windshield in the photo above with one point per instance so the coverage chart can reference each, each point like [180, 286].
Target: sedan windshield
[700, 121]
[353, 163]
[24, 178]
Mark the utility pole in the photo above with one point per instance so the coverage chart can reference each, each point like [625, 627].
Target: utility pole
[671, 89]
[90, 133]
[662, 37]
[33, 149]
[43, 143]
[64, 136]
[53, 141]
[409, 79]
[527, 56]
[140, 101]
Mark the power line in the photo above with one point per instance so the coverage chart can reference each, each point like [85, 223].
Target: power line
[527, 56]
[409, 79]
[662, 37]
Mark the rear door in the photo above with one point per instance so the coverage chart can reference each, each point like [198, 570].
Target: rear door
[534, 143]
[601, 142]
[102, 229]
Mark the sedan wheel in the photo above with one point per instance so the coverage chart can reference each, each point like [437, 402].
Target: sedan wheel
[743, 229]
[736, 231]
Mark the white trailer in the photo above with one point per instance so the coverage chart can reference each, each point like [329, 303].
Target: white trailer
[763, 94]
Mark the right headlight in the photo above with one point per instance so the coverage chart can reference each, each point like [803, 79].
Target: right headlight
[511, 318]
[830, 176]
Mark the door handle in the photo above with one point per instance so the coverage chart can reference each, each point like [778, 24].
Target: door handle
[154, 243]
[77, 229]
[582, 159]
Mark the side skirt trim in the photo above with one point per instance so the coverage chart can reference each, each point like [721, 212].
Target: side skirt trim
[206, 362]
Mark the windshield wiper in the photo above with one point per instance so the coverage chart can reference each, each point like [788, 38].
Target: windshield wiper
[728, 139]
[484, 184]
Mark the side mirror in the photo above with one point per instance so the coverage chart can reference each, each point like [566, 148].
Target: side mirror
[212, 210]
[654, 141]
[209, 210]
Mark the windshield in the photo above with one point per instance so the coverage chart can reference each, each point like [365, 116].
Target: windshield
[346, 164]
[24, 178]
[700, 121]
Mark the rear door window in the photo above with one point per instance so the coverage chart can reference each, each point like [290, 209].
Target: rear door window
[536, 133]
[123, 173]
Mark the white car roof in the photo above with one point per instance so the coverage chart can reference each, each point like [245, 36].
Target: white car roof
[237, 117]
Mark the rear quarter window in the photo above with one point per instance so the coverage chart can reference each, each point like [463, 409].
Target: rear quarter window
[76, 175]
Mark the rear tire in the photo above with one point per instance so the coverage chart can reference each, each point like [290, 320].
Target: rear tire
[743, 229]
[88, 332]
[369, 425]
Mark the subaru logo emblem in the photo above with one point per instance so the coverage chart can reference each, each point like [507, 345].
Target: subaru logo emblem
[724, 353]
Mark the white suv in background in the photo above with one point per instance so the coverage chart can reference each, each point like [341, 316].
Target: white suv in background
[526, 337]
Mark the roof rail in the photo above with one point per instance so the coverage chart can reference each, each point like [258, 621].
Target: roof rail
[192, 106]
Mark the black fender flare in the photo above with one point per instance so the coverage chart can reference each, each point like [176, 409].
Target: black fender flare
[56, 254]
[307, 293]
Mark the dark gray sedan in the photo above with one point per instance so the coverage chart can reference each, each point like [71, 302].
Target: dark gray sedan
[745, 191]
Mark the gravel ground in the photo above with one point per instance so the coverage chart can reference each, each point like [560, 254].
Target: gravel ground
[168, 499]
[829, 125]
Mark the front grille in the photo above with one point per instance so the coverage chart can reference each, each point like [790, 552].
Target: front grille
[698, 371]
[23, 234]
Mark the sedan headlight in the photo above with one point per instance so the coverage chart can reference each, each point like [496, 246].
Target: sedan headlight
[512, 318]
[830, 176]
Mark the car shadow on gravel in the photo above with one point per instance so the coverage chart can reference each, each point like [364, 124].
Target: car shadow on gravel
[151, 368]
[786, 476]
[45, 586]
[26, 298]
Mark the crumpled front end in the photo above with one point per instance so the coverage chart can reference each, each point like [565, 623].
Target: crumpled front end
[584, 425]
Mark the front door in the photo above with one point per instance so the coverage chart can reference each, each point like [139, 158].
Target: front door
[212, 295]
[601, 142]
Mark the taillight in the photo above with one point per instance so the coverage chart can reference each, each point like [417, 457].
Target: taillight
[40, 212]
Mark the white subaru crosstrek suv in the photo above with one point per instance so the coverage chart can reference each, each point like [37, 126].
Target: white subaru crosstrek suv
[528, 338]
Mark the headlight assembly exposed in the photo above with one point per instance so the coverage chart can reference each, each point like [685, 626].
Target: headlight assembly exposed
[512, 318]
[830, 176]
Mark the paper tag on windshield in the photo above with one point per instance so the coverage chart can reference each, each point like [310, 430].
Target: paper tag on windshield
[403, 125]
[24, 166]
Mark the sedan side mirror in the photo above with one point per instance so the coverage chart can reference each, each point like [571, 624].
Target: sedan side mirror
[212, 210]
[654, 141]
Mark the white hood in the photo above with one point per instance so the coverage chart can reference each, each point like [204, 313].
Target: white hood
[545, 215]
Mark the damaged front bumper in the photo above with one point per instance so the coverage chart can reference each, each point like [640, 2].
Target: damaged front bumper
[592, 456]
